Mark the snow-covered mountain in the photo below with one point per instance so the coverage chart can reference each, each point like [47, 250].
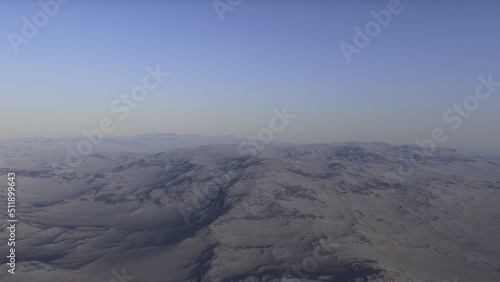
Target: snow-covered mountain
[330, 212]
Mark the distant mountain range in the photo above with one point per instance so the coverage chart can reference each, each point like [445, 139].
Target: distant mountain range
[145, 143]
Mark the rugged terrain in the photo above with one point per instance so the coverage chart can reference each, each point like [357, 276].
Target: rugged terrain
[291, 213]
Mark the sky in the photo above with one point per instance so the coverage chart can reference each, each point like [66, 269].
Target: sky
[229, 69]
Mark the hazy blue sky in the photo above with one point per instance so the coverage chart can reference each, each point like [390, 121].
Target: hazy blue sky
[227, 76]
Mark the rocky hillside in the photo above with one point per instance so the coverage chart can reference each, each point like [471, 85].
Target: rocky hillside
[338, 212]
